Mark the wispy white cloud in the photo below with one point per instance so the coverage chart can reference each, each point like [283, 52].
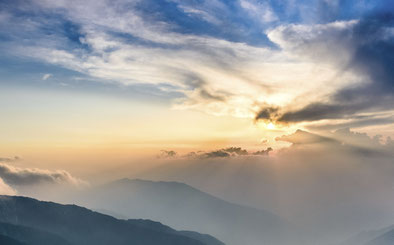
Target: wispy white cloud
[261, 11]
[216, 75]
[206, 10]
[46, 76]
[244, 75]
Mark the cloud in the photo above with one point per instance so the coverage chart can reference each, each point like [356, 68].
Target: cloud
[319, 111]
[267, 113]
[225, 153]
[219, 70]
[230, 152]
[236, 150]
[353, 123]
[342, 141]
[303, 137]
[8, 159]
[30, 176]
[46, 76]
[263, 152]
[218, 57]
[261, 11]
[363, 48]
[167, 154]
[6, 189]
[215, 154]
[205, 10]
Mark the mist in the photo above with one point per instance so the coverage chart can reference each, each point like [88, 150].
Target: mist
[324, 188]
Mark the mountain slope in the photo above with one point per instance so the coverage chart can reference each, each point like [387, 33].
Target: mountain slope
[385, 239]
[81, 226]
[370, 237]
[31, 235]
[5, 240]
[207, 239]
[184, 207]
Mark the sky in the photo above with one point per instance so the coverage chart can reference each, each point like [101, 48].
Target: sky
[100, 80]
[282, 105]
[146, 76]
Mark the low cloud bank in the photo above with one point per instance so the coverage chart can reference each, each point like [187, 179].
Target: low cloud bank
[30, 176]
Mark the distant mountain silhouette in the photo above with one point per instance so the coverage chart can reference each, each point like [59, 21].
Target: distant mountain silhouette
[207, 239]
[386, 238]
[372, 237]
[30, 222]
[31, 235]
[184, 207]
[5, 240]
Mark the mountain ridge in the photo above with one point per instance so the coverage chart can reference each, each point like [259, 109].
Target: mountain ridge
[173, 203]
[80, 226]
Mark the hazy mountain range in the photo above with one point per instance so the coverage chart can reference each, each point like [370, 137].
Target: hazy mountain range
[31, 222]
[27, 221]
[383, 236]
[386, 238]
[184, 207]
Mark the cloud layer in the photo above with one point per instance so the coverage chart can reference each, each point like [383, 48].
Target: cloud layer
[16, 176]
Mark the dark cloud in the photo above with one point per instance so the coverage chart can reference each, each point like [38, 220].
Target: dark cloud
[167, 154]
[373, 57]
[372, 43]
[333, 110]
[226, 153]
[209, 96]
[263, 152]
[355, 123]
[29, 176]
[196, 83]
[267, 113]
[221, 153]
[237, 150]
[214, 154]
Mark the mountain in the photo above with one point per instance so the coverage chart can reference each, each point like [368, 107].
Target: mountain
[385, 239]
[31, 235]
[30, 221]
[184, 207]
[205, 238]
[5, 240]
[370, 237]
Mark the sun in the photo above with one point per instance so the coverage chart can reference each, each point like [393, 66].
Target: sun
[270, 126]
